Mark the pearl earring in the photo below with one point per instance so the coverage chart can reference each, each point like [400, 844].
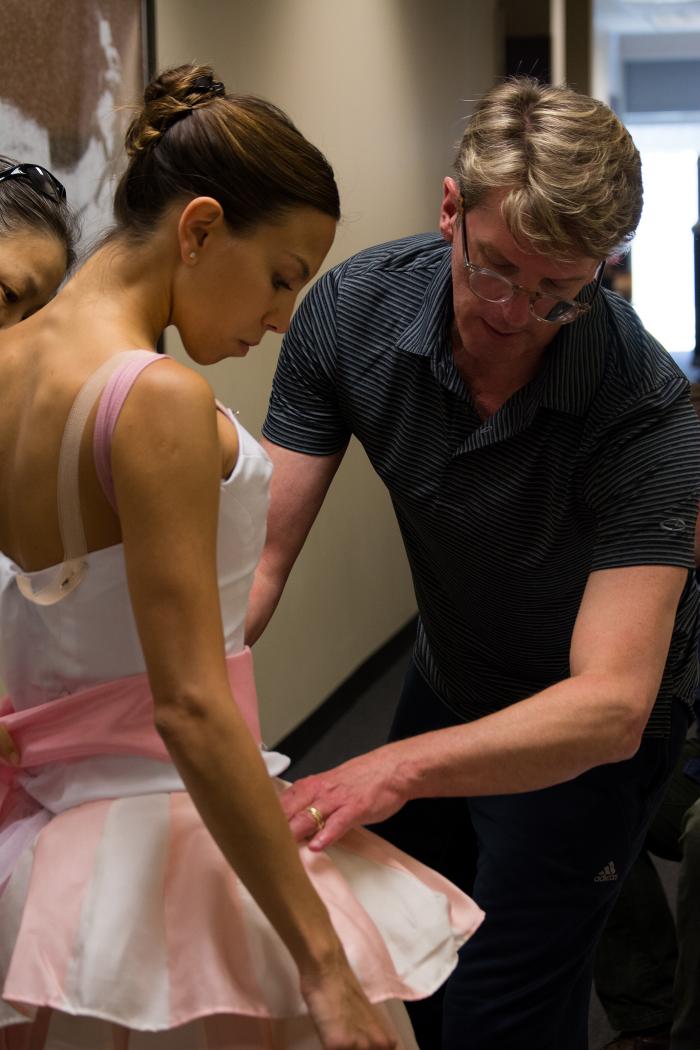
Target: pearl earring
[193, 255]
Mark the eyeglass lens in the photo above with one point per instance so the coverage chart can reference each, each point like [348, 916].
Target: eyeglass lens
[496, 289]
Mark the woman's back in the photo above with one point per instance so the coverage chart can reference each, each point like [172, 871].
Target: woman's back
[90, 635]
[41, 373]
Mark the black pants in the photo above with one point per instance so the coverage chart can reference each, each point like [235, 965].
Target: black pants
[646, 972]
[545, 866]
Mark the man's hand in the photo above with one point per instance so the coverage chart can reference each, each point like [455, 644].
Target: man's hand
[363, 790]
[8, 751]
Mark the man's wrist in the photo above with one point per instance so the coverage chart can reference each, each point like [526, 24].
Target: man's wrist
[408, 772]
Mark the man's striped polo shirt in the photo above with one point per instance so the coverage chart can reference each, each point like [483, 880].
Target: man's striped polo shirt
[594, 464]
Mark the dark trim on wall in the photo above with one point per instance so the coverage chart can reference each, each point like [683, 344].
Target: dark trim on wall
[529, 56]
[148, 29]
[579, 34]
[696, 264]
[318, 723]
[150, 68]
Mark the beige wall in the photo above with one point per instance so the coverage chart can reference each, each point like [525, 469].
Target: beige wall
[380, 86]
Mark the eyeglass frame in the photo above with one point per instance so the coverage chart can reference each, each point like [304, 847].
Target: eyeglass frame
[472, 268]
[39, 177]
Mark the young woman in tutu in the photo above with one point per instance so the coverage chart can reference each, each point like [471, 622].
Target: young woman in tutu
[152, 896]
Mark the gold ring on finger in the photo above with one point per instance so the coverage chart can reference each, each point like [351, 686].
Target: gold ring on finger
[317, 817]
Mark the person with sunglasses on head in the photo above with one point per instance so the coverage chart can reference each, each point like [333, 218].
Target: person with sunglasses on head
[151, 893]
[543, 460]
[37, 239]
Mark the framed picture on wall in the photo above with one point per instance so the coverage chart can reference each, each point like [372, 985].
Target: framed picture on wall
[70, 74]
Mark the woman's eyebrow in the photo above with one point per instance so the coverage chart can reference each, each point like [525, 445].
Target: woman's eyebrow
[305, 271]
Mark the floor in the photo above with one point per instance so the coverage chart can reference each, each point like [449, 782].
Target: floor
[363, 723]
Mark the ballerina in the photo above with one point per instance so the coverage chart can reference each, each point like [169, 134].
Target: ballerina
[153, 894]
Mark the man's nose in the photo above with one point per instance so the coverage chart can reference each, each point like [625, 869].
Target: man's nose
[516, 310]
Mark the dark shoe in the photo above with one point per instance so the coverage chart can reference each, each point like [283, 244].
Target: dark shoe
[632, 1041]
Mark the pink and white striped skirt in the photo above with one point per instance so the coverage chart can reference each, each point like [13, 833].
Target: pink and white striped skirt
[122, 926]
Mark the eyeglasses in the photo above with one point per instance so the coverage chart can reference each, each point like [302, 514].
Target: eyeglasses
[40, 178]
[493, 288]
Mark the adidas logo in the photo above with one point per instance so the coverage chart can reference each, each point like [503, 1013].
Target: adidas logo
[607, 874]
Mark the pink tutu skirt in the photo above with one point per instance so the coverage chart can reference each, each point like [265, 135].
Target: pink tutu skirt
[122, 926]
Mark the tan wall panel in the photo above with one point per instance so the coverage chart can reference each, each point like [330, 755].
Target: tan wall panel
[382, 86]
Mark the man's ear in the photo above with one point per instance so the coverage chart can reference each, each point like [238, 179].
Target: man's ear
[450, 208]
[199, 218]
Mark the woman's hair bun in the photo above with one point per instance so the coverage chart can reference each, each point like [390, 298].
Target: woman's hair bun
[240, 150]
[168, 98]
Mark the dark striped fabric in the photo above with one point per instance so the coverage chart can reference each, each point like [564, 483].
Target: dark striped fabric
[595, 464]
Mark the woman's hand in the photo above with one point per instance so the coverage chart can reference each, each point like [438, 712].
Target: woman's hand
[343, 1017]
[8, 751]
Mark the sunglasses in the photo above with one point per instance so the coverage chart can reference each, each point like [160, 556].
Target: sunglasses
[40, 178]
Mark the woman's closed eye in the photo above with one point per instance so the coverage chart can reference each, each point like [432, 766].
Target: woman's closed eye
[279, 282]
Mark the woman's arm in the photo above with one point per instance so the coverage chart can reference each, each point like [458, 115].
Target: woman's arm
[166, 461]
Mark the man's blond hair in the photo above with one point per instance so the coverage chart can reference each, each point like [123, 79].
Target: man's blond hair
[570, 168]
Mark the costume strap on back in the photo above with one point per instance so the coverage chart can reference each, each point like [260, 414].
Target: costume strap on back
[74, 566]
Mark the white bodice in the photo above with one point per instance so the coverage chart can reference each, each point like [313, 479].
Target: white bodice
[90, 636]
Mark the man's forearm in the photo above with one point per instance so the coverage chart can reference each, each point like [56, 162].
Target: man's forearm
[548, 738]
[264, 598]
[299, 485]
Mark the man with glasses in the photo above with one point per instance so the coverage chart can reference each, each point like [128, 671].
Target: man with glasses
[543, 461]
[492, 287]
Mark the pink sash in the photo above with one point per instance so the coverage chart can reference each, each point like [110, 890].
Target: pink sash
[114, 718]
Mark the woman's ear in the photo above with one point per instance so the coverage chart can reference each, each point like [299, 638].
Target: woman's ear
[199, 218]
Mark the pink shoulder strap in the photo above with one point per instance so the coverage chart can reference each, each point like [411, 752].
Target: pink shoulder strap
[114, 395]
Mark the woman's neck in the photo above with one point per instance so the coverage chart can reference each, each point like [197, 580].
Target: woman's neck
[122, 292]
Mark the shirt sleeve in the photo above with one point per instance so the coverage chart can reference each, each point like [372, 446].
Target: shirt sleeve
[304, 413]
[643, 484]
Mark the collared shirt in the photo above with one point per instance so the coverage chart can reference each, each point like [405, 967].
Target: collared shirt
[594, 464]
